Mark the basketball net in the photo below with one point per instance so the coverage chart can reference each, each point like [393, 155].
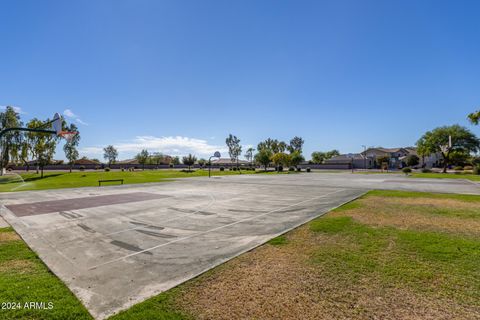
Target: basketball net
[67, 135]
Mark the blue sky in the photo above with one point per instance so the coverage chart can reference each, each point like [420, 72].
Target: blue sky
[179, 76]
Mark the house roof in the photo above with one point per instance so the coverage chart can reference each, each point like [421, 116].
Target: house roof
[85, 161]
[346, 158]
[383, 151]
[53, 161]
[127, 161]
[228, 161]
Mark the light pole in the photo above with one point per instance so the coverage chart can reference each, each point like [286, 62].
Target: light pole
[215, 155]
[364, 157]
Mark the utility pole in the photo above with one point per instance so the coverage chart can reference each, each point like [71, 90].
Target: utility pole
[364, 157]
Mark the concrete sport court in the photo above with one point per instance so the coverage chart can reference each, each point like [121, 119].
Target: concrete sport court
[117, 246]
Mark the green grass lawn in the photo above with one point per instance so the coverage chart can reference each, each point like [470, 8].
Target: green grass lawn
[58, 180]
[24, 278]
[432, 175]
[468, 176]
[388, 254]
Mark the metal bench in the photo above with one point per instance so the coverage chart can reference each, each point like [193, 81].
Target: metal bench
[109, 180]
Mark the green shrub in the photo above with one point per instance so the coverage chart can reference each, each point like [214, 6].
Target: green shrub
[406, 170]
[476, 170]
[234, 168]
[222, 169]
[308, 169]
[107, 169]
[170, 165]
[280, 168]
[426, 170]
[458, 169]
[299, 169]
[291, 169]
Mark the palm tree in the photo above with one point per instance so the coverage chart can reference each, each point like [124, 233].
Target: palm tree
[249, 155]
[189, 160]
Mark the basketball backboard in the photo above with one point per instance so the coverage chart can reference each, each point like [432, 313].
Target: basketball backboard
[57, 123]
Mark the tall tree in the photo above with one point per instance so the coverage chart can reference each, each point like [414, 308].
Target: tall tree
[11, 141]
[70, 147]
[202, 162]
[25, 151]
[175, 160]
[234, 147]
[110, 154]
[263, 157]
[189, 160]
[319, 156]
[412, 160]
[296, 144]
[438, 140]
[296, 158]
[280, 159]
[142, 158]
[332, 153]
[249, 154]
[474, 117]
[42, 145]
[273, 145]
[157, 158]
[268, 144]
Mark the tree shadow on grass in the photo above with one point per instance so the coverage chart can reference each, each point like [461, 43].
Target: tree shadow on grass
[39, 177]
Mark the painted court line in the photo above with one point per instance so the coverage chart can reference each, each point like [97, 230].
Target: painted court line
[79, 239]
[211, 230]
[212, 201]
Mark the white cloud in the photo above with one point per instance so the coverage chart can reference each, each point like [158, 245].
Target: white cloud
[17, 109]
[69, 114]
[81, 122]
[177, 145]
[91, 150]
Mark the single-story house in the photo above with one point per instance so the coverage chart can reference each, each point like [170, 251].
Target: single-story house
[228, 162]
[128, 161]
[355, 159]
[85, 162]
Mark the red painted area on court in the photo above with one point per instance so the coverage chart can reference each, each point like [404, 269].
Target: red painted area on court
[42, 207]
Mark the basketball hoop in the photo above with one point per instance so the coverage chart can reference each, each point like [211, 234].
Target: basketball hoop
[67, 135]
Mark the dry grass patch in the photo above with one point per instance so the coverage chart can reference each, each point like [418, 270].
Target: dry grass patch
[374, 259]
[268, 283]
[417, 213]
[17, 266]
[8, 236]
[281, 282]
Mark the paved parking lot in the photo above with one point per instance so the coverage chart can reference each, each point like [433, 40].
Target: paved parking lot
[117, 246]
